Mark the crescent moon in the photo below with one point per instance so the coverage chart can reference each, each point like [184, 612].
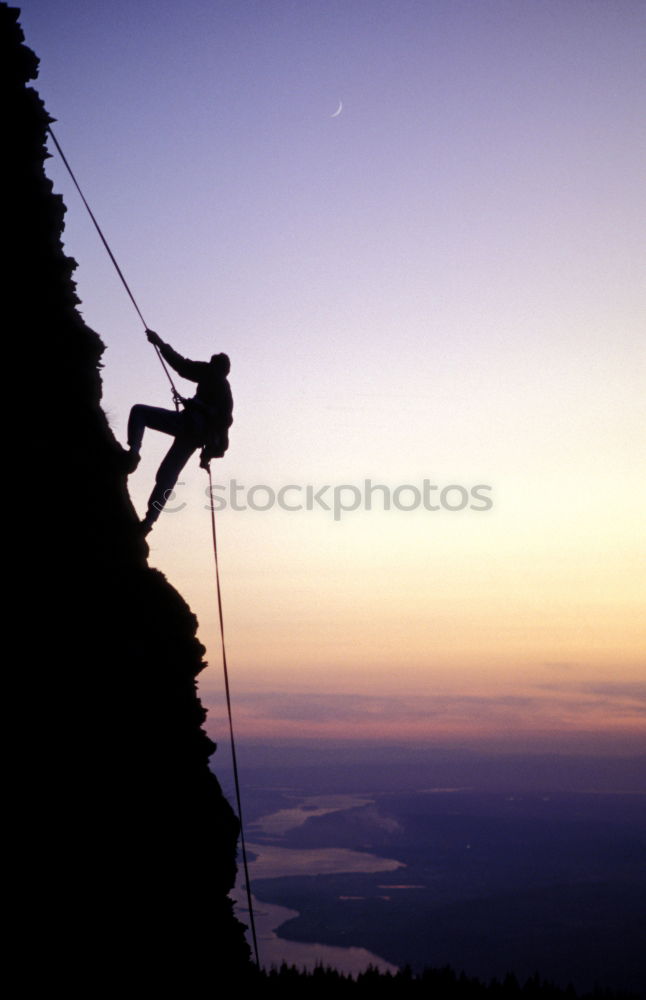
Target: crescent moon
[338, 110]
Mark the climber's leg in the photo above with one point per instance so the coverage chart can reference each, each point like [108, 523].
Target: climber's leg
[166, 421]
[176, 458]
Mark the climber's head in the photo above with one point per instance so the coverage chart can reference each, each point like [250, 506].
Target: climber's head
[221, 363]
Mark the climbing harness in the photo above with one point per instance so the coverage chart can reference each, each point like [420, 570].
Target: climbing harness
[177, 399]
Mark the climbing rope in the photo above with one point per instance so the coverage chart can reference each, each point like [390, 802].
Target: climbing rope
[176, 400]
[176, 396]
[230, 713]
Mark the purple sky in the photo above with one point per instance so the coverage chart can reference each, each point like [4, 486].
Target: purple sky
[443, 282]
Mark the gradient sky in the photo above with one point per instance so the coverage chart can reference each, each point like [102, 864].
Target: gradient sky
[443, 282]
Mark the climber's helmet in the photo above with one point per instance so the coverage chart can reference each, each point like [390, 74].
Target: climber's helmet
[221, 363]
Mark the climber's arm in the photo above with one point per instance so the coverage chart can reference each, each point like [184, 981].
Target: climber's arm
[191, 370]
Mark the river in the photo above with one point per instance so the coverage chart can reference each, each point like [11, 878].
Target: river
[272, 860]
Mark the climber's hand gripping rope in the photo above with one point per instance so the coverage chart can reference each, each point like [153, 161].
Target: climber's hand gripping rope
[154, 338]
[157, 342]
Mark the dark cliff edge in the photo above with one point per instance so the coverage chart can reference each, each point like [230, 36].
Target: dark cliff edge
[128, 845]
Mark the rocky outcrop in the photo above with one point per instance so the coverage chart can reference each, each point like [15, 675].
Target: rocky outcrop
[128, 846]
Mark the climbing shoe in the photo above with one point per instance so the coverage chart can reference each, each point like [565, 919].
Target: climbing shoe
[130, 460]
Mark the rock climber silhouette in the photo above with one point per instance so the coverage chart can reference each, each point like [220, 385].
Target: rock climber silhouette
[203, 423]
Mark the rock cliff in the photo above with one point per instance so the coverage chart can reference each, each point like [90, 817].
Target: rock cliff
[128, 846]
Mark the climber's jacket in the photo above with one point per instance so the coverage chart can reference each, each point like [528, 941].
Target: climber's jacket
[210, 410]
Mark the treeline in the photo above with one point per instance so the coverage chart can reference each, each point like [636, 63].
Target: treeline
[442, 984]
